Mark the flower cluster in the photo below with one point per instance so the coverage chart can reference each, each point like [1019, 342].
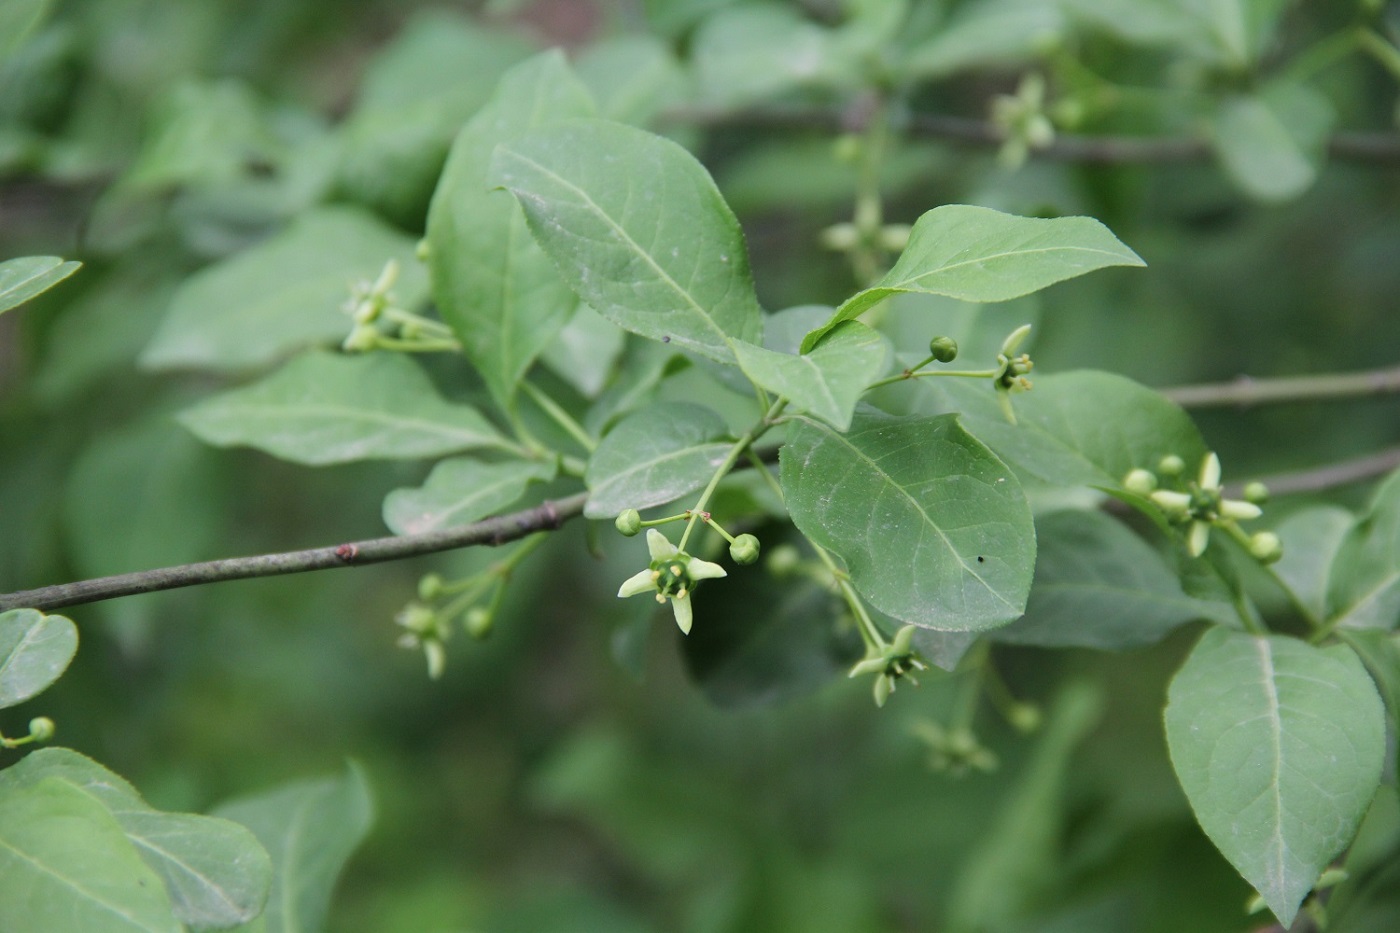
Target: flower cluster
[889, 662]
[672, 574]
[1201, 504]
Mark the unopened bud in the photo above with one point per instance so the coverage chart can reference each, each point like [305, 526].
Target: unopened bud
[744, 550]
[430, 587]
[1171, 465]
[943, 349]
[41, 728]
[1265, 547]
[1140, 481]
[628, 522]
[1256, 492]
[784, 560]
[478, 622]
[840, 238]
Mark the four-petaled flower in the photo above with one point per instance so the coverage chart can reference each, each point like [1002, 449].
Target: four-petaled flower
[672, 574]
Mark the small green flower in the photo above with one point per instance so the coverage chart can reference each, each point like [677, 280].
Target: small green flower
[1203, 504]
[671, 574]
[889, 662]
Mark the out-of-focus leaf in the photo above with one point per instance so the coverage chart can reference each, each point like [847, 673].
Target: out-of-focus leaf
[1278, 745]
[1310, 541]
[638, 229]
[417, 94]
[986, 32]
[632, 78]
[654, 456]
[24, 278]
[214, 870]
[203, 133]
[1272, 143]
[283, 294]
[933, 528]
[978, 254]
[18, 20]
[310, 828]
[491, 280]
[34, 651]
[1098, 585]
[1363, 588]
[753, 53]
[66, 866]
[325, 408]
[1017, 857]
[460, 491]
[586, 351]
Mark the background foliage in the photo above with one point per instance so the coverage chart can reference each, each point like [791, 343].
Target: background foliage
[539, 786]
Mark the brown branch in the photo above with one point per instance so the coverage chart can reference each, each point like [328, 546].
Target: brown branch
[492, 531]
[1245, 391]
[1352, 146]
[1316, 479]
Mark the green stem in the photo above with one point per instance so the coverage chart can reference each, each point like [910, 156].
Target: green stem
[560, 416]
[426, 345]
[408, 318]
[869, 206]
[875, 643]
[922, 373]
[731, 458]
[767, 475]
[1324, 53]
[1238, 535]
[1381, 50]
[965, 705]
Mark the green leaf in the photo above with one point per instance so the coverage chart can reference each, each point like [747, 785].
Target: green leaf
[460, 491]
[66, 866]
[439, 70]
[978, 254]
[586, 351]
[1310, 539]
[638, 229]
[826, 382]
[1273, 143]
[24, 278]
[933, 528]
[1015, 858]
[1098, 585]
[34, 651]
[986, 32]
[1278, 746]
[216, 873]
[324, 408]
[1077, 428]
[491, 281]
[632, 77]
[310, 828]
[18, 20]
[1363, 588]
[654, 456]
[1381, 655]
[750, 54]
[283, 294]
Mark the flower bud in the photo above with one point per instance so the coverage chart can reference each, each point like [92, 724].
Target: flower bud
[1140, 481]
[895, 237]
[423, 250]
[430, 587]
[628, 522]
[1265, 547]
[1256, 492]
[943, 349]
[1013, 340]
[41, 728]
[784, 560]
[744, 550]
[840, 238]
[478, 622]
[1171, 465]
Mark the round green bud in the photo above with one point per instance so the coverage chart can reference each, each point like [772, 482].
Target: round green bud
[1265, 547]
[943, 349]
[895, 237]
[744, 550]
[430, 587]
[784, 560]
[1140, 481]
[1171, 465]
[840, 238]
[478, 622]
[1256, 492]
[1024, 717]
[41, 728]
[628, 522]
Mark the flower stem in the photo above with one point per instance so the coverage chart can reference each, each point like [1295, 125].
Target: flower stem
[731, 458]
[560, 416]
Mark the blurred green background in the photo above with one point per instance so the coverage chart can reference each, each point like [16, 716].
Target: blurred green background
[568, 773]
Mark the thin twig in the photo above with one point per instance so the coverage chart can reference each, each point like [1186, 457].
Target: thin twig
[493, 531]
[1245, 391]
[1351, 146]
[1317, 479]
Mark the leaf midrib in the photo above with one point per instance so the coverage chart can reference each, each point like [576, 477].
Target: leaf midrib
[1002, 255]
[275, 412]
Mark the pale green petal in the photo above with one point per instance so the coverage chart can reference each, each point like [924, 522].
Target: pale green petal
[681, 607]
[1171, 501]
[1240, 511]
[704, 570]
[868, 666]
[1210, 471]
[640, 582]
[1197, 538]
[660, 548]
[902, 641]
